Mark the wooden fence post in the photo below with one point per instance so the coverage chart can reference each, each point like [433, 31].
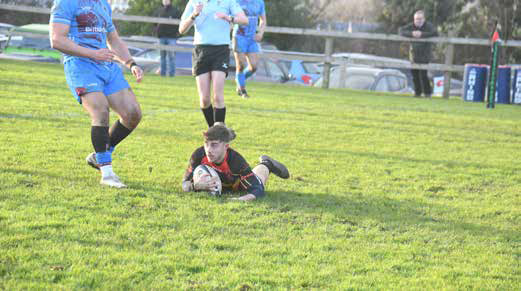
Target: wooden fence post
[449, 59]
[327, 64]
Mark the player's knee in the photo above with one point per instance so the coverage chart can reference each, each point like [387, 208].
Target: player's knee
[132, 117]
[218, 100]
[205, 102]
[100, 116]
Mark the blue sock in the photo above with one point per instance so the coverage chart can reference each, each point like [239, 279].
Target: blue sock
[248, 74]
[240, 79]
[104, 158]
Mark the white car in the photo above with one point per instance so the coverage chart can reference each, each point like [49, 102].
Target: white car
[368, 78]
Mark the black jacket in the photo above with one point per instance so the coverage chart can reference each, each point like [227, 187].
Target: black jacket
[420, 52]
[166, 30]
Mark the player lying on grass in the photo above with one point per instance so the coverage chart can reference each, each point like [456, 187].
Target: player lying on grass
[234, 172]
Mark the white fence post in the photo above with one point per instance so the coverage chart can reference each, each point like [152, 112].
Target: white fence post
[327, 64]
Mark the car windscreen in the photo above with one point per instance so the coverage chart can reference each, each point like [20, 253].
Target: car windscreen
[149, 54]
[287, 64]
[30, 42]
[311, 68]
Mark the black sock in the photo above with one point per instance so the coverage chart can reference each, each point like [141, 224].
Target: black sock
[118, 132]
[220, 113]
[100, 138]
[208, 115]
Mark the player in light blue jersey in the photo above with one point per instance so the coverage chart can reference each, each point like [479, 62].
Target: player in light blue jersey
[211, 55]
[245, 42]
[83, 31]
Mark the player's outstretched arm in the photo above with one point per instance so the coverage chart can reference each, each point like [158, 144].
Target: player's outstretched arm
[60, 41]
[187, 186]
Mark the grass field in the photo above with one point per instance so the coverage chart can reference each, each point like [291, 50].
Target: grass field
[387, 192]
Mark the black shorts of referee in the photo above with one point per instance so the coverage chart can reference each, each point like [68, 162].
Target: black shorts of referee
[207, 58]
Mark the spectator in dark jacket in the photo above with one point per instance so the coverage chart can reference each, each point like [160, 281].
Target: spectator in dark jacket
[167, 35]
[420, 52]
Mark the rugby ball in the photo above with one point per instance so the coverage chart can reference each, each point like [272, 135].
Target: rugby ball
[205, 172]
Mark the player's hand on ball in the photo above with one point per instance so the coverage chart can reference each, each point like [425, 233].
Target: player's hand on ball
[206, 183]
[104, 55]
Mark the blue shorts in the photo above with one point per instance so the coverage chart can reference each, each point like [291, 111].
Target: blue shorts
[245, 45]
[84, 76]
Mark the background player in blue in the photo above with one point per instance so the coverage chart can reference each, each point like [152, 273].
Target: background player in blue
[84, 32]
[245, 42]
[211, 55]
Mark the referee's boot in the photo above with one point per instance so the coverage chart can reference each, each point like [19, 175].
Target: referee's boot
[274, 166]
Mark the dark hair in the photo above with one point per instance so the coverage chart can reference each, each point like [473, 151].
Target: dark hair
[219, 132]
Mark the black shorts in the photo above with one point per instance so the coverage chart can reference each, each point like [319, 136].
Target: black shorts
[207, 58]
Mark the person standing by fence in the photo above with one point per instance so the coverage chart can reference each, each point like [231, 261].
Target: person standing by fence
[211, 55]
[167, 35]
[420, 52]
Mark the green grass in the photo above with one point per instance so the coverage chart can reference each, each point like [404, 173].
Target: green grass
[387, 192]
[41, 52]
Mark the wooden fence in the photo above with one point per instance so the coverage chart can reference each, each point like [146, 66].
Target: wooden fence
[327, 57]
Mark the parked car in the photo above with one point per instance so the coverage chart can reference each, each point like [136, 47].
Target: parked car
[369, 78]
[302, 71]
[268, 70]
[150, 59]
[35, 47]
[3, 41]
[268, 46]
[184, 59]
[134, 50]
[5, 28]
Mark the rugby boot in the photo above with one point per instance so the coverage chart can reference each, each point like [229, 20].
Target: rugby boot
[112, 181]
[274, 166]
[244, 94]
[91, 161]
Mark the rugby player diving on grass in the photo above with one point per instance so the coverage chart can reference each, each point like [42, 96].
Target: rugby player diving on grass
[234, 172]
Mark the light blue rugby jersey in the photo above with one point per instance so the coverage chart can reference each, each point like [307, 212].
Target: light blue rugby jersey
[208, 29]
[253, 9]
[90, 21]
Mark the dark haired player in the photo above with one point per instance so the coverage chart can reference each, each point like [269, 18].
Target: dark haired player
[234, 172]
